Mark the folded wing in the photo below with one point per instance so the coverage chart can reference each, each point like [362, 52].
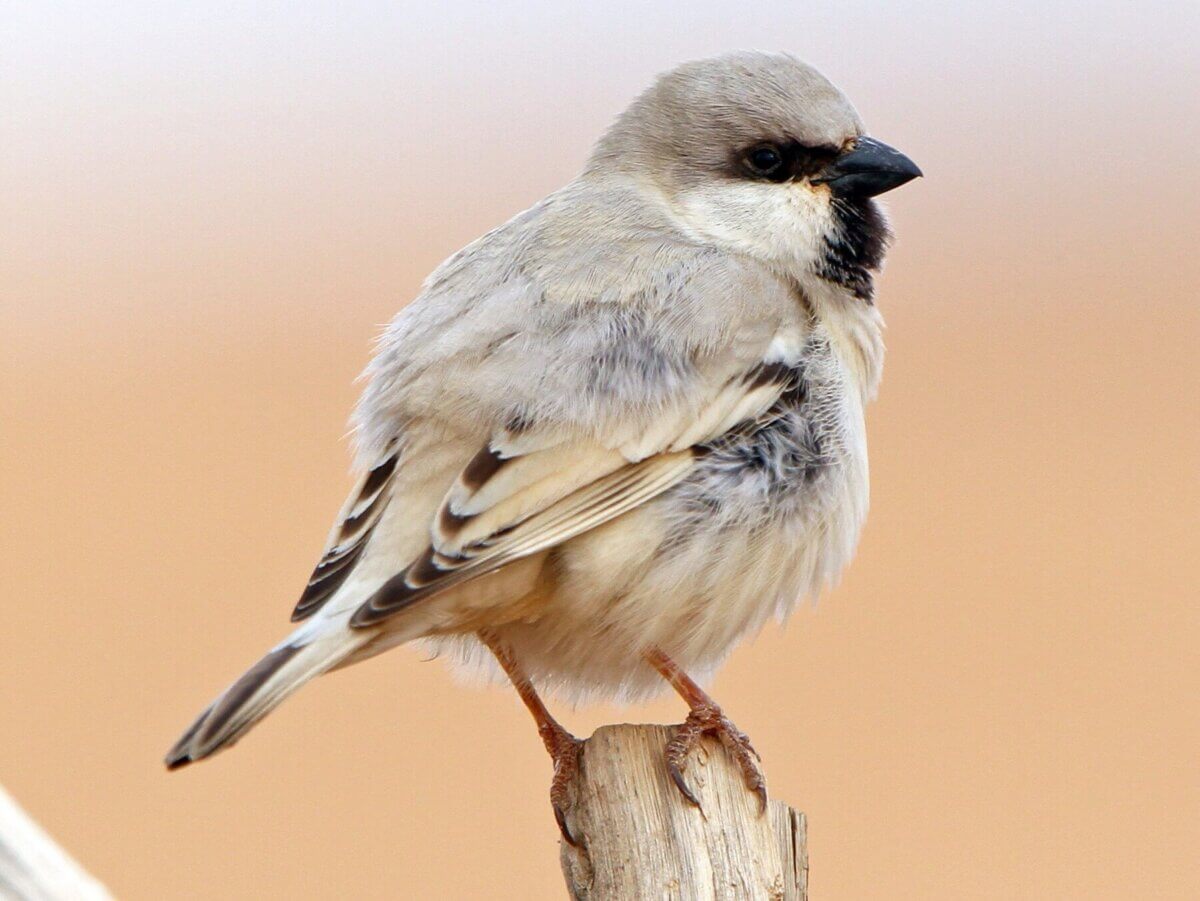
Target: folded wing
[521, 494]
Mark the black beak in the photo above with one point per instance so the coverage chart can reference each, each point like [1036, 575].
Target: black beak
[871, 168]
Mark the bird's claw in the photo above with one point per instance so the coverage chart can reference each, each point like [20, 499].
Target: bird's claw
[565, 749]
[708, 719]
[681, 783]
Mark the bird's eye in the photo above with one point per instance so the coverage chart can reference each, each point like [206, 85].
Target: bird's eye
[765, 160]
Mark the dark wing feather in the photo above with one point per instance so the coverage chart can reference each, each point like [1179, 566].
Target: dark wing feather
[351, 537]
[506, 507]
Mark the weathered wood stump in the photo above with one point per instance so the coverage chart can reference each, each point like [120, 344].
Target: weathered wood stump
[640, 839]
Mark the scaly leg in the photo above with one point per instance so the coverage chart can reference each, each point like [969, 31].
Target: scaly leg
[564, 747]
[704, 718]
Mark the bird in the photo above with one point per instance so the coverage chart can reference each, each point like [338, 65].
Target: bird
[620, 432]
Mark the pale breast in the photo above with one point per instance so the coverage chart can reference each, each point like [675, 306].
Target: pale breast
[771, 514]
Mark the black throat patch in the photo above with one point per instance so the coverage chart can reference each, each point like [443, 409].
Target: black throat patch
[855, 251]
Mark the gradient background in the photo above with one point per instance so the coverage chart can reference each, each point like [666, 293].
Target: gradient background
[208, 212]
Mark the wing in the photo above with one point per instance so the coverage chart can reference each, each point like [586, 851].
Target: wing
[355, 525]
[560, 372]
[519, 496]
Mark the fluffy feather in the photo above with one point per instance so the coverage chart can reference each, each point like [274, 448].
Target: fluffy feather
[632, 416]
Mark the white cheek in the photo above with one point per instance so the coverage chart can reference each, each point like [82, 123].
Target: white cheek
[779, 224]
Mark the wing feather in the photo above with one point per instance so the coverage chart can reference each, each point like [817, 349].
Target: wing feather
[527, 491]
[349, 538]
[502, 508]
[596, 503]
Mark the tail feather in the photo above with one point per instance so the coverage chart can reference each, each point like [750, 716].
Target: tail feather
[259, 691]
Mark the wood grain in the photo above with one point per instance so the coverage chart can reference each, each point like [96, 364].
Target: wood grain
[641, 839]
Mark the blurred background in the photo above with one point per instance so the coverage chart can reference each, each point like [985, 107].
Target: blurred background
[210, 209]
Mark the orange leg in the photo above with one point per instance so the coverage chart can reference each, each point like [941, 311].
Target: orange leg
[705, 717]
[564, 747]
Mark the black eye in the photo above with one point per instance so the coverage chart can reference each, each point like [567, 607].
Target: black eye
[765, 160]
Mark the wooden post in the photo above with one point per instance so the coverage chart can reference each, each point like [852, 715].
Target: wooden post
[641, 839]
[33, 867]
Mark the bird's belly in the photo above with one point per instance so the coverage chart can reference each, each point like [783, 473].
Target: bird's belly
[768, 517]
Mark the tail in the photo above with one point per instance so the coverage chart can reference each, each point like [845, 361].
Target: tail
[259, 691]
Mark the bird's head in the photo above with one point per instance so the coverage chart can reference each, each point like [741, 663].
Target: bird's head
[760, 154]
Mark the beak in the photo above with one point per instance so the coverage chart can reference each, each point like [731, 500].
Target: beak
[871, 168]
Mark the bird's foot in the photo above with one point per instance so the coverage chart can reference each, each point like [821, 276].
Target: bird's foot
[565, 749]
[708, 719]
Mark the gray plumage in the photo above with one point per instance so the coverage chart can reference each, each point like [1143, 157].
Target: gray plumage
[632, 416]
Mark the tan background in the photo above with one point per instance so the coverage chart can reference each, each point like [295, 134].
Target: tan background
[208, 213]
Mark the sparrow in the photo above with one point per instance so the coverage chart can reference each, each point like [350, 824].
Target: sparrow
[621, 431]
